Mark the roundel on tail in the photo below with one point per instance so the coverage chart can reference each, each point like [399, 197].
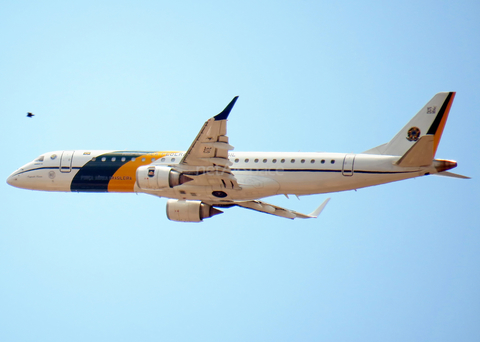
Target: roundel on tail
[413, 134]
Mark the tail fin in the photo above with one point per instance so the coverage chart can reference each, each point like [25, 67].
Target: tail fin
[420, 154]
[418, 141]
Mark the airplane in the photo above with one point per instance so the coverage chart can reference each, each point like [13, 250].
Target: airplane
[209, 176]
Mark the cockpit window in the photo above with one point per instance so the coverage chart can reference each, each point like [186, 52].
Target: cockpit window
[40, 159]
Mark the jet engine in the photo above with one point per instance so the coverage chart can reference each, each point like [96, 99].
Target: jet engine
[189, 211]
[155, 177]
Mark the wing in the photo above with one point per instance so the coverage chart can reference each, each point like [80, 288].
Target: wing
[279, 211]
[207, 158]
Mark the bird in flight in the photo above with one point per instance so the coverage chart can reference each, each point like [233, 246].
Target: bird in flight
[30, 115]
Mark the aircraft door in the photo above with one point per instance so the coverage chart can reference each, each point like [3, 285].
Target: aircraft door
[66, 161]
[348, 162]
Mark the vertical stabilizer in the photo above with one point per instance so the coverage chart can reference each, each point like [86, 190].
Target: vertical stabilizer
[429, 122]
[420, 154]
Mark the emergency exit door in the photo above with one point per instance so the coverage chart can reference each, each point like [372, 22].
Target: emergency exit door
[348, 162]
[66, 161]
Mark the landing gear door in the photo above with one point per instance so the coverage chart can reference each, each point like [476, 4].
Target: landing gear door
[66, 161]
[348, 165]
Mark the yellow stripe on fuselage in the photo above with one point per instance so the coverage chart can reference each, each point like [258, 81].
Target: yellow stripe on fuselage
[124, 179]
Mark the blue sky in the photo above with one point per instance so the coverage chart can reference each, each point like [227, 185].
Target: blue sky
[395, 262]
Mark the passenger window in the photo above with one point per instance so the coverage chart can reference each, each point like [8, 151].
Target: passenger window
[123, 159]
[237, 160]
[143, 159]
[264, 160]
[256, 160]
[274, 161]
[133, 159]
[292, 161]
[94, 158]
[153, 159]
[113, 159]
[162, 160]
[312, 161]
[303, 161]
[103, 159]
[173, 159]
[282, 161]
[247, 160]
[332, 161]
[323, 161]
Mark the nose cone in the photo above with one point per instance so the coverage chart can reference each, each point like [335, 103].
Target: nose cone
[17, 179]
[13, 180]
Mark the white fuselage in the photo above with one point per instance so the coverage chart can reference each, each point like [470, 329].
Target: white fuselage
[209, 175]
[259, 174]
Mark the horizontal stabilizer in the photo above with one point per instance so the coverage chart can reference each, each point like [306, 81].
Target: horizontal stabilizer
[420, 154]
[279, 211]
[451, 174]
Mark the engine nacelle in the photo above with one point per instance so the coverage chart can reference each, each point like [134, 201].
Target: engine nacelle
[189, 211]
[155, 177]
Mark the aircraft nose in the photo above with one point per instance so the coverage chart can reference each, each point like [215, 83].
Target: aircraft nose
[13, 180]
[10, 180]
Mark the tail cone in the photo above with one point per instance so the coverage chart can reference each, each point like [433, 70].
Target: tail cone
[444, 165]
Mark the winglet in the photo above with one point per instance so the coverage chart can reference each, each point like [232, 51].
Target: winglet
[317, 211]
[224, 114]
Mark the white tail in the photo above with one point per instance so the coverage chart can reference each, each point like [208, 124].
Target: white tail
[418, 141]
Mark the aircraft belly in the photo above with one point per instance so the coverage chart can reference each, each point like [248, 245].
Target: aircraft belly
[309, 182]
[315, 183]
[359, 180]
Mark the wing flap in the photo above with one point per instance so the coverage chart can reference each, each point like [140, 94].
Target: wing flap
[216, 179]
[279, 211]
[217, 161]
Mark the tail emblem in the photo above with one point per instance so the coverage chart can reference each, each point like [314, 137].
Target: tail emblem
[413, 134]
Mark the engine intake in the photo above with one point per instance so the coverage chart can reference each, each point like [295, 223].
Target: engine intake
[189, 211]
[154, 177]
